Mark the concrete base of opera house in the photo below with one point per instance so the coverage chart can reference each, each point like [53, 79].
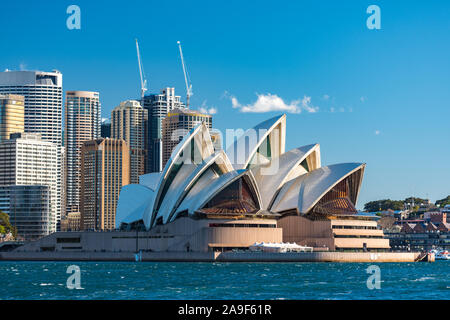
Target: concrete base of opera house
[215, 256]
[220, 239]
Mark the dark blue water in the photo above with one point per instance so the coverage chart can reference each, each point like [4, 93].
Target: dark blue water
[147, 280]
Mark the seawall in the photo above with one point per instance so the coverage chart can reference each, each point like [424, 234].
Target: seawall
[214, 256]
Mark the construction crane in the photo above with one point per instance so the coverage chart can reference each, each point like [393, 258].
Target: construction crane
[141, 72]
[187, 79]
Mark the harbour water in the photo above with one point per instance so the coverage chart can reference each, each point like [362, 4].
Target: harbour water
[157, 280]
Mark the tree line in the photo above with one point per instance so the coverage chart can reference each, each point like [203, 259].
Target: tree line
[386, 204]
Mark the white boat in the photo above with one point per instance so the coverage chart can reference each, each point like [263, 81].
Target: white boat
[441, 254]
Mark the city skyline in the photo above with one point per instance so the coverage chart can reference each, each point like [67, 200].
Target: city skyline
[356, 91]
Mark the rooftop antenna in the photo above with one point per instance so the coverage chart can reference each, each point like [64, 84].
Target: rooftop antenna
[187, 79]
[141, 73]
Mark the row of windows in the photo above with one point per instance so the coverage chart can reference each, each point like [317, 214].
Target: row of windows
[358, 236]
[355, 227]
[241, 225]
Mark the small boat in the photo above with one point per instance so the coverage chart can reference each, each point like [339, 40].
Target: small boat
[441, 254]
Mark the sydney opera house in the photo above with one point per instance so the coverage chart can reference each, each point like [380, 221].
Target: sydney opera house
[208, 203]
[207, 199]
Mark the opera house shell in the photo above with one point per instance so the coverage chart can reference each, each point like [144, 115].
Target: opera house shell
[276, 194]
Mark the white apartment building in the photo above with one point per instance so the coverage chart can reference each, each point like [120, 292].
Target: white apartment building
[26, 159]
[43, 110]
[82, 124]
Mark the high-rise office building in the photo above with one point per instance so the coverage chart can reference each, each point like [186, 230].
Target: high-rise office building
[12, 115]
[26, 159]
[105, 168]
[43, 110]
[177, 124]
[128, 123]
[158, 106]
[28, 208]
[63, 183]
[82, 124]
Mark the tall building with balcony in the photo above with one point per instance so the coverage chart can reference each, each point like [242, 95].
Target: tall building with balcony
[158, 106]
[42, 113]
[105, 168]
[82, 124]
[128, 123]
[177, 124]
[26, 159]
[12, 115]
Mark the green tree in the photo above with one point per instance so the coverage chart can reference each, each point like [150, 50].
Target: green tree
[5, 225]
[381, 205]
[417, 201]
[441, 203]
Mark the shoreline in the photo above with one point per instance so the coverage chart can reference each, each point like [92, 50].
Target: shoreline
[373, 257]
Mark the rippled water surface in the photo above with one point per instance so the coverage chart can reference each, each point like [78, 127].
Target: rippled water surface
[148, 280]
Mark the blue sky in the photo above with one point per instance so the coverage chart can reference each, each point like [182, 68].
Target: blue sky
[379, 96]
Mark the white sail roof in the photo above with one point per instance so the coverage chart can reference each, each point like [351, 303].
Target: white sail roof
[244, 149]
[150, 180]
[306, 190]
[277, 181]
[271, 177]
[135, 203]
[192, 150]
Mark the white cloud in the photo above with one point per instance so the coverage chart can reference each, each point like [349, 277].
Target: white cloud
[326, 97]
[206, 110]
[22, 66]
[363, 99]
[271, 102]
[235, 103]
[377, 132]
[212, 110]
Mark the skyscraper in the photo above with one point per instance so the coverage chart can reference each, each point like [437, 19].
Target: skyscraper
[128, 123]
[105, 165]
[158, 106]
[177, 124]
[26, 159]
[12, 115]
[43, 110]
[82, 124]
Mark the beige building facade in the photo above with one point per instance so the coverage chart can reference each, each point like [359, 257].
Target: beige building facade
[128, 123]
[105, 168]
[334, 233]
